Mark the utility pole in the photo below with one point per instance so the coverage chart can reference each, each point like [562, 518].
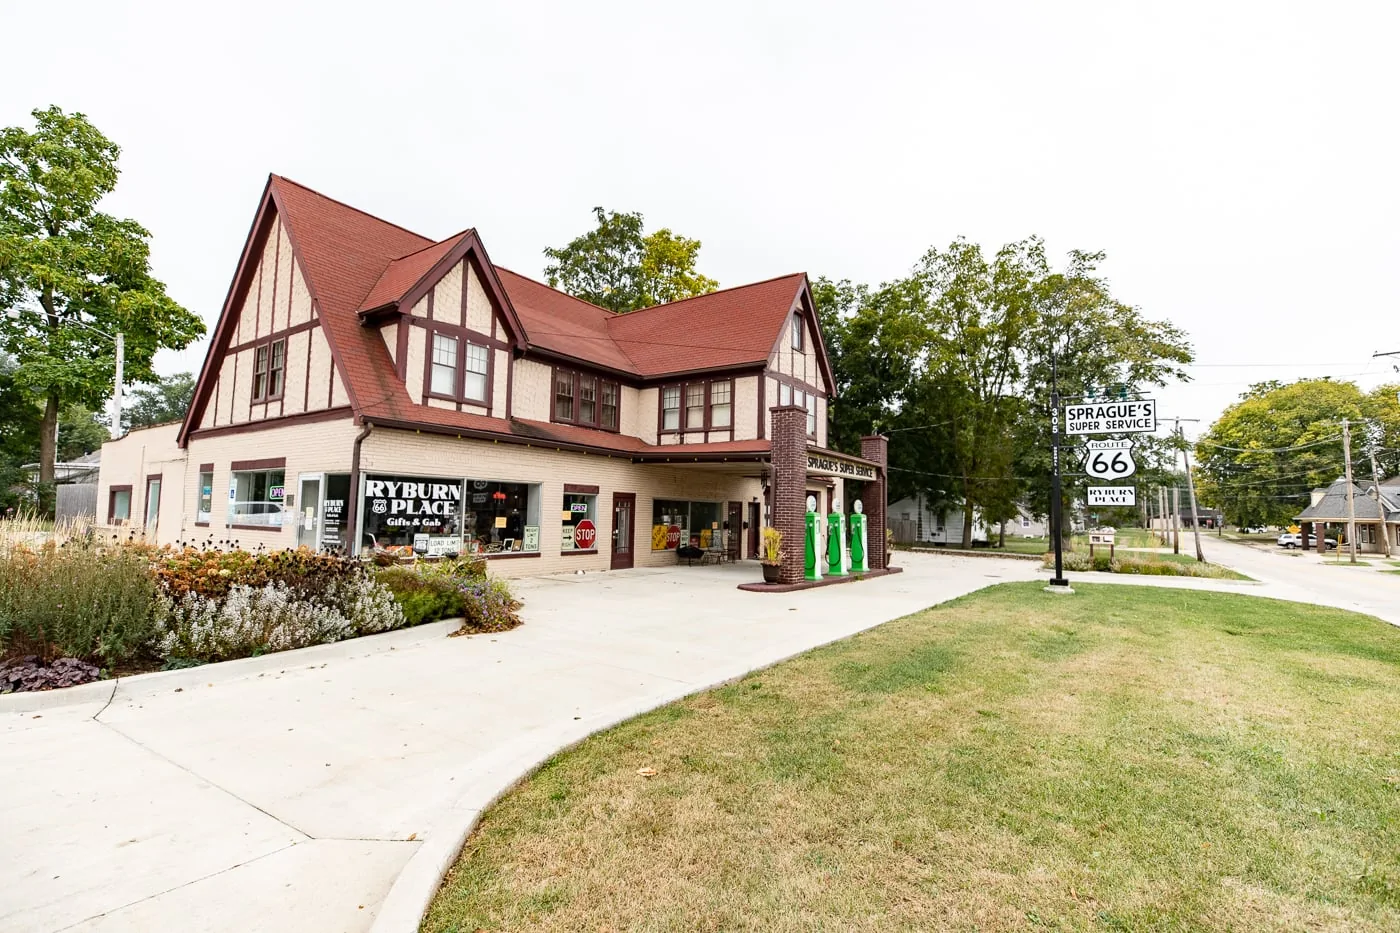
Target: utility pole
[1380, 508]
[1058, 583]
[1351, 503]
[1191, 488]
[1162, 514]
[1176, 519]
[120, 339]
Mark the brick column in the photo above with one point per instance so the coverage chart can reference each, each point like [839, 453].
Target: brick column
[789, 460]
[876, 448]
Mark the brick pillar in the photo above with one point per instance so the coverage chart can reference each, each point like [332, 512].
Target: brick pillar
[789, 505]
[876, 448]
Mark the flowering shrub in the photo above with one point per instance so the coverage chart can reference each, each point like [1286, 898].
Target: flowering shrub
[430, 591]
[488, 606]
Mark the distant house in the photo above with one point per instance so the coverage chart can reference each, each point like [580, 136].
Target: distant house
[1210, 518]
[915, 521]
[1376, 508]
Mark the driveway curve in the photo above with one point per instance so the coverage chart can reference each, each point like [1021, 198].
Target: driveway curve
[324, 790]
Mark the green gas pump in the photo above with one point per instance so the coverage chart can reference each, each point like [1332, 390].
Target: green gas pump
[838, 560]
[860, 560]
[813, 547]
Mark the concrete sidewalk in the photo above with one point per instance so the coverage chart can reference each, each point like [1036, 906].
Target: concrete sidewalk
[292, 794]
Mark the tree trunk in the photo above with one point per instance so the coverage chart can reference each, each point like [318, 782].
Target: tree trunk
[1001, 538]
[967, 524]
[48, 440]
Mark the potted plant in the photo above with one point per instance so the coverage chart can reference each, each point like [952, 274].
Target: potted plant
[771, 554]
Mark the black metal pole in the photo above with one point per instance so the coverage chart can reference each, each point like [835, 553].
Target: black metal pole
[1056, 516]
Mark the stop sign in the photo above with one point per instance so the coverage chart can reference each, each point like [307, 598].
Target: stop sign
[585, 534]
[673, 537]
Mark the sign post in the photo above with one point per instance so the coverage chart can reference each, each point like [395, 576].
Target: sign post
[1058, 583]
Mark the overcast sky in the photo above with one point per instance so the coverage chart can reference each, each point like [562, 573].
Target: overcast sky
[1237, 161]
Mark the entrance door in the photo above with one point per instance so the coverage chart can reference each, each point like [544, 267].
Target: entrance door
[755, 523]
[309, 518]
[623, 529]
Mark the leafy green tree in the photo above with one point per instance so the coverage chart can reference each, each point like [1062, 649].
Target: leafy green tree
[620, 267]
[165, 400]
[80, 432]
[19, 437]
[1262, 457]
[71, 274]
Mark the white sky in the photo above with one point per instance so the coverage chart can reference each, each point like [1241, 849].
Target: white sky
[1237, 161]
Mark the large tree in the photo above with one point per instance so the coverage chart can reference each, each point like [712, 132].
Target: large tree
[1264, 454]
[617, 265]
[165, 400]
[72, 275]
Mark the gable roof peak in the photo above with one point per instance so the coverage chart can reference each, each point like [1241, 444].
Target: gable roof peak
[274, 177]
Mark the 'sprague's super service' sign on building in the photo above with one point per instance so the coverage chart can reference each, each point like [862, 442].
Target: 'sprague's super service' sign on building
[368, 387]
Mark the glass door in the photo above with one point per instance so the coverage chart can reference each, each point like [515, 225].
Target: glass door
[309, 517]
[624, 505]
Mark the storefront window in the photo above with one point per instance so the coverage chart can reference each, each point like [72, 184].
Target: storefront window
[334, 497]
[579, 509]
[255, 497]
[205, 512]
[676, 524]
[413, 514]
[502, 517]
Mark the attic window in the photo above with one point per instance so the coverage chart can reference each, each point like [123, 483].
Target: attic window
[797, 332]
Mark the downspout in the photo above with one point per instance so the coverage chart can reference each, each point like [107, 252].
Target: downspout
[352, 526]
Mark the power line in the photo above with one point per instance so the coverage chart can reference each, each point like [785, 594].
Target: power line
[1269, 450]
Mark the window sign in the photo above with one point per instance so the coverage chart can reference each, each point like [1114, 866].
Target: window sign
[398, 509]
[532, 537]
[579, 511]
[677, 523]
[255, 497]
[205, 511]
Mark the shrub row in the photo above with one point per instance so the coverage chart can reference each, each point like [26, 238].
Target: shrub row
[118, 604]
[1081, 562]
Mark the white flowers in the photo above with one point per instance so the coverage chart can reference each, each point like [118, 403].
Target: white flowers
[256, 620]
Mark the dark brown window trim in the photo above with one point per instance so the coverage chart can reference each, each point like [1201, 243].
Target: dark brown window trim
[708, 395]
[273, 528]
[112, 501]
[580, 490]
[578, 375]
[268, 396]
[201, 524]
[463, 336]
[151, 476]
[511, 556]
[457, 330]
[577, 552]
[206, 468]
[267, 463]
[244, 427]
[806, 389]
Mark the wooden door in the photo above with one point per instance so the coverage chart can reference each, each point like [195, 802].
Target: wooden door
[733, 536]
[624, 532]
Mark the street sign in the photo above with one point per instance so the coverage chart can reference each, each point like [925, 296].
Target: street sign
[1135, 417]
[585, 534]
[1112, 495]
[1110, 460]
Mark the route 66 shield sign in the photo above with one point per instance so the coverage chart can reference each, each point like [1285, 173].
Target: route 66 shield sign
[1109, 459]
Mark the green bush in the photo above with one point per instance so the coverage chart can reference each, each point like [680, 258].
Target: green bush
[423, 596]
[490, 607]
[81, 600]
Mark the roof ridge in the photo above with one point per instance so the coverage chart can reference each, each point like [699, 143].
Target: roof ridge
[558, 291]
[308, 188]
[456, 236]
[731, 288]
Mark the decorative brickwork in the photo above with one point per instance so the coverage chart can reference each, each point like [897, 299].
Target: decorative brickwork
[789, 459]
[876, 448]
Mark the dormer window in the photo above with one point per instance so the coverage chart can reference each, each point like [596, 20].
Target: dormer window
[589, 401]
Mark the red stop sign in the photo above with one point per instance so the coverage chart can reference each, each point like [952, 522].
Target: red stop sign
[673, 537]
[585, 534]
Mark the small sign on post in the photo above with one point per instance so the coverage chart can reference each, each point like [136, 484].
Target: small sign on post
[1101, 537]
[1111, 495]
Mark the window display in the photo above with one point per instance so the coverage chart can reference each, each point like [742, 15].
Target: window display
[502, 517]
[420, 514]
[255, 497]
[679, 524]
[580, 522]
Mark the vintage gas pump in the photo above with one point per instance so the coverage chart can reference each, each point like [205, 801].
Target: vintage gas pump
[860, 562]
[813, 548]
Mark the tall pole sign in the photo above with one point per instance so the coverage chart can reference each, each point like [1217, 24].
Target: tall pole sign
[1056, 517]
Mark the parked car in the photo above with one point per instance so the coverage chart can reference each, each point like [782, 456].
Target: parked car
[1290, 540]
[1253, 530]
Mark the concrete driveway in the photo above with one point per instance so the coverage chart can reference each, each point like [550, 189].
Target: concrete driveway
[291, 792]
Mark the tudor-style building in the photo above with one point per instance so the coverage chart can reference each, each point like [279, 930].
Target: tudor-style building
[368, 387]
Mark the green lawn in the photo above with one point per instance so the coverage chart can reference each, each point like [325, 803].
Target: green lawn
[1035, 546]
[1125, 758]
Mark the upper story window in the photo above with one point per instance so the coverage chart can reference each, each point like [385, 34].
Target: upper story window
[721, 404]
[459, 369]
[269, 370]
[444, 381]
[796, 332]
[671, 408]
[698, 406]
[583, 399]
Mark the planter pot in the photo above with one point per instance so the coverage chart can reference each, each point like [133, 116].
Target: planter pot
[770, 573]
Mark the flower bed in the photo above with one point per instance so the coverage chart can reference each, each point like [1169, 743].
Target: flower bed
[98, 606]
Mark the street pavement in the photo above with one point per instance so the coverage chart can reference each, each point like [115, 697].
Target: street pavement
[317, 790]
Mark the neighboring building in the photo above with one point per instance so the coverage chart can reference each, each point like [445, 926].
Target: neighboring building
[1210, 518]
[1376, 507]
[75, 489]
[914, 521]
[368, 387]
[1027, 524]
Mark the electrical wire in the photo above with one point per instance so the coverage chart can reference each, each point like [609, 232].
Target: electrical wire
[1270, 450]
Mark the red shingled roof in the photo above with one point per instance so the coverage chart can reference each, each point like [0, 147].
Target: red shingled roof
[355, 262]
[402, 274]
